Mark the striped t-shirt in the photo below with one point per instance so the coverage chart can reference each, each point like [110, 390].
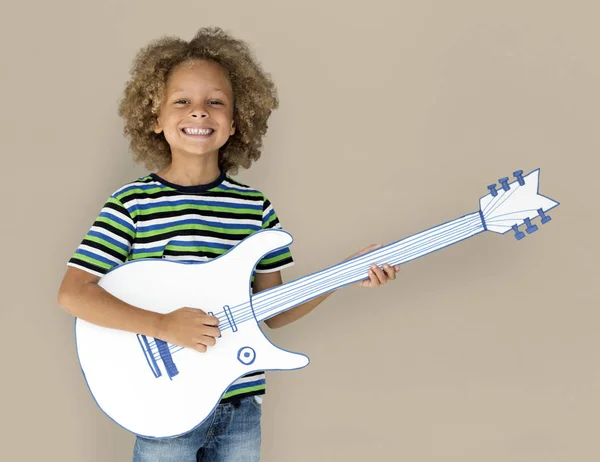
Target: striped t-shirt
[153, 218]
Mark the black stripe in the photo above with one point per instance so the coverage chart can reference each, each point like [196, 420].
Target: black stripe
[133, 194]
[105, 249]
[191, 232]
[85, 264]
[242, 395]
[275, 264]
[148, 215]
[118, 207]
[253, 374]
[112, 229]
[237, 183]
[191, 253]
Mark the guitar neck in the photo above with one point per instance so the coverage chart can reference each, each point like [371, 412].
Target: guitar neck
[275, 300]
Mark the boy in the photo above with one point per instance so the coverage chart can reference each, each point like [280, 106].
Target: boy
[196, 111]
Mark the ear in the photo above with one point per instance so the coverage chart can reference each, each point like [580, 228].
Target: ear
[157, 127]
[232, 131]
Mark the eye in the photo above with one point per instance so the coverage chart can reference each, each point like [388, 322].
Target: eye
[215, 102]
[180, 100]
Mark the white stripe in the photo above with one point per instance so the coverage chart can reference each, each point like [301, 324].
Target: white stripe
[190, 216]
[137, 183]
[249, 379]
[109, 234]
[84, 268]
[97, 252]
[199, 239]
[231, 185]
[187, 258]
[198, 200]
[272, 270]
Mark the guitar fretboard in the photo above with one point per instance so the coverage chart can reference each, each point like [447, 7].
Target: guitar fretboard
[270, 302]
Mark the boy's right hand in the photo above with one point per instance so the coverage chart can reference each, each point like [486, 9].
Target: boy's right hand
[190, 327]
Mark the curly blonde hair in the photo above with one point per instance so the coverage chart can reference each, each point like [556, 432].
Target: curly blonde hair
[255, 96]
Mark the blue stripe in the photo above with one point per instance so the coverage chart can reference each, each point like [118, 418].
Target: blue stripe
[269, 215]
[194, 221]
[160, 248]
[144, 187]
[277, 253]
[228, 188]
[95, 256]
[201, 202]
[108, 239]
[247, 384]
[118, 220]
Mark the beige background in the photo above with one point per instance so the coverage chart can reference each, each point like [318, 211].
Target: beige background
[394, 117]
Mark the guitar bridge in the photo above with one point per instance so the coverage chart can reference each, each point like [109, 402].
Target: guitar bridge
[158, 349]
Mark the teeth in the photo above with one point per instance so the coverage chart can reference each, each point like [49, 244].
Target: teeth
[197, 131]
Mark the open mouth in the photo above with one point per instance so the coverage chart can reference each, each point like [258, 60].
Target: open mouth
[197, 132]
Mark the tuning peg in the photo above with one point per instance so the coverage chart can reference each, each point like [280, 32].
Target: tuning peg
[504, 183]
[530, 228]
[518, 234]
[519, 176]
[545, 218]
[492, 189]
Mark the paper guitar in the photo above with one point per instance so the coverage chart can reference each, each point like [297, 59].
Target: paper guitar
[156, 389]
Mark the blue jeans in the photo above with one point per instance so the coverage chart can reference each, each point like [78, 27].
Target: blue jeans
[231, 434]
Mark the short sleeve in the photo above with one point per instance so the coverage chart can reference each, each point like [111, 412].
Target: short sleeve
[281, 258]
[108, 242]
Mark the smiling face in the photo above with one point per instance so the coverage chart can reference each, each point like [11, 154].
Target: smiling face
[196, 112]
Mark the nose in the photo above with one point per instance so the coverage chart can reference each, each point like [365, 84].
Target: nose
[199, 111]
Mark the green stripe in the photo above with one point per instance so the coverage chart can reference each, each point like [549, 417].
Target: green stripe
[119, 250]
[93, 261]
[115, 225]
[267, 261]
[244, 390]
[196, 248]
[268, 223]
[157, 233]
[198, 207]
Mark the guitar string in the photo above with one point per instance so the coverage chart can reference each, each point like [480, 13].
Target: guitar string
[327, 281]
[392, 250]
[410, 249]
[396, 257]
[504, 199]
[351, 271]
[245, 307]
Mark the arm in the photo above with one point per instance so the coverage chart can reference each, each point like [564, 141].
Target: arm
[80, 295]
[264, 281]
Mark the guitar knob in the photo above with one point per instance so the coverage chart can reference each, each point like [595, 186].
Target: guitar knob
[530, 228]
[519, 176]
[518, 234]
[246, 355]
[545, 218]
[492, 189]
[504, 183]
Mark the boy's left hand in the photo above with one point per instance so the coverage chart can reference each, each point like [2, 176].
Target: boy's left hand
[377, 275]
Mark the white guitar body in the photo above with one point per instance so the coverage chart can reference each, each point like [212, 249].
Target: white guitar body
[154, 389]
[117, 371]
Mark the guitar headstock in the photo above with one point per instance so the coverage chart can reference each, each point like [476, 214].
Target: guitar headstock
[511, 205]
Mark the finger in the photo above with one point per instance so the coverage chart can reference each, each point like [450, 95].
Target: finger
[374, 279]
[206, 340]
[210, 320]
[213, 332]
[389, 271]
[381, 276]
[199, 347]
